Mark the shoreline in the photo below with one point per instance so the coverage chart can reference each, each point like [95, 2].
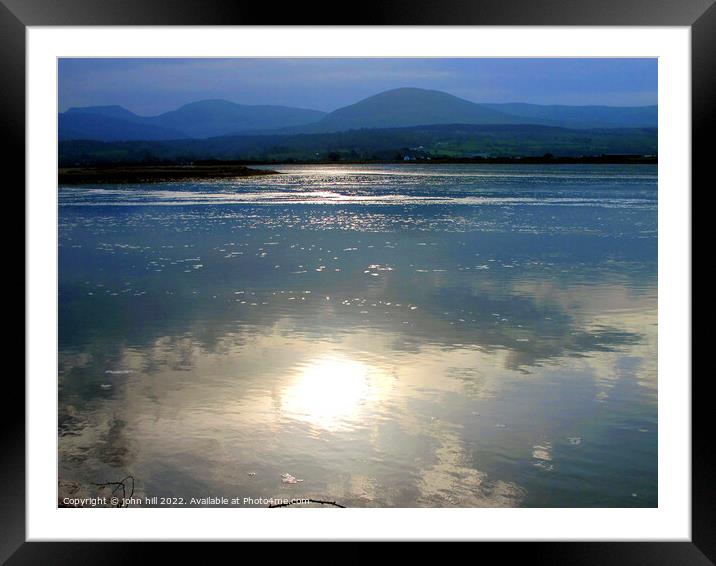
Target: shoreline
[214, 169]
[154, 173]
[591, 160]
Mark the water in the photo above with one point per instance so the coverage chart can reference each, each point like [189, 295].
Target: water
[393, 336]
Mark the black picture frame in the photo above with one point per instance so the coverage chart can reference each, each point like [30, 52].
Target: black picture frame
[16, 15]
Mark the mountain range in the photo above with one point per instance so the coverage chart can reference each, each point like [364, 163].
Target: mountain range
[397, 108]
[203, 119]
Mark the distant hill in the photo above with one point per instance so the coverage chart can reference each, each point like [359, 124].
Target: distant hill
[201, 119]
[583, 116]
[73, 125]
[209, 118]
[405, 107]
[397, 108]
[113, 111]
[447, 140]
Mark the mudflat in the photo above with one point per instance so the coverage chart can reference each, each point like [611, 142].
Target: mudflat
[154, 173]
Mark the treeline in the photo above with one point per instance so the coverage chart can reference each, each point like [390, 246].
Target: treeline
[474, 143]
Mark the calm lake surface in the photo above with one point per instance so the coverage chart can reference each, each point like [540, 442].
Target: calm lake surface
[394, 336]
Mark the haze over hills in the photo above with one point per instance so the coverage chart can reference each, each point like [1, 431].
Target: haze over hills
[583, 116]
[397, 108]
[111, 111]
[78, 125]
[209, 118]
[202, 119]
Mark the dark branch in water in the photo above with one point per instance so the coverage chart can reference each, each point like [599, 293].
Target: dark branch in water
[333, 503]
[116, 485]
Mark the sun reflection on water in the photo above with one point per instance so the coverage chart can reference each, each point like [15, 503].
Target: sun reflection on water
[330, 391]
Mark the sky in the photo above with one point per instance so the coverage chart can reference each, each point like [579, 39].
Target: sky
[152, 86]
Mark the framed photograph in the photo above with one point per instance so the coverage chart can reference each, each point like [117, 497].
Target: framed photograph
[419, 275]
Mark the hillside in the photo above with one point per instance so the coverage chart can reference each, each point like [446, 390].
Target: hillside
[387, 144]
[405, 107]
